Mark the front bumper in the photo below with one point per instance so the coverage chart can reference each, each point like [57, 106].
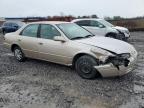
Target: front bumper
[109, 70]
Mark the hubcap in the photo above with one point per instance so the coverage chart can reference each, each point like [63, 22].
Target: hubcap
[86, 68]
[18, 54]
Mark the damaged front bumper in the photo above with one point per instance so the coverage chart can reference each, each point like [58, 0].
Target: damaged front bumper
[109, 69]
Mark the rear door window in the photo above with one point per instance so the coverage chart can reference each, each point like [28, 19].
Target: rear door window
[83, 23]
[6, 24]
[30, 30]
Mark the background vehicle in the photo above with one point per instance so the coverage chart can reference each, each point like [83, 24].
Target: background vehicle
[0, 29]
[11, 26]
[69, 44]
[103, 28]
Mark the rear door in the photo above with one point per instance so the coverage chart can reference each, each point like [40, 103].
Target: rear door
[28, 40]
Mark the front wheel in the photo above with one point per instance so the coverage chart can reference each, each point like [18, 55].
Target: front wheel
[85, 67]
[18, 54]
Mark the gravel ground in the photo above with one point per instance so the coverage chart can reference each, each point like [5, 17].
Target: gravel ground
[39, 84]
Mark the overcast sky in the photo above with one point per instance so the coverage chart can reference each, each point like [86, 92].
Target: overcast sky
[24, 8]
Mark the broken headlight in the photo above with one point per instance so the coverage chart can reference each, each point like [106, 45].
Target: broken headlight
[101, 54]
[100, 51]
[118, 60]
[124, 55]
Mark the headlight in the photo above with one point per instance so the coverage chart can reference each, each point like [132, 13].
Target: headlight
[118, 61]
[125, 55]
[127, 32]
[101, 53]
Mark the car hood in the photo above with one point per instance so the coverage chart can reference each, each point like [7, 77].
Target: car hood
[110, 44]
[120, 28]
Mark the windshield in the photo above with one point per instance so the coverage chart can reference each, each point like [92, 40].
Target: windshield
[20, 23]
[106, 23]
[73, 31]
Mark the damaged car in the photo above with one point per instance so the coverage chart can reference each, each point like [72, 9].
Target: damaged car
[101, 27]
[69, 44]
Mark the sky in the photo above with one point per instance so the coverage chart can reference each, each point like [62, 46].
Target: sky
[102, 8]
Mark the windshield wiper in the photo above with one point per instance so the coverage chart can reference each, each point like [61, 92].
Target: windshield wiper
[87, 36]
[77, 38]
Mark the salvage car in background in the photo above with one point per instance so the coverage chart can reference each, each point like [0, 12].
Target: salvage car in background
[103, 28]
[0, 29]
[11, 26]
[69, 44]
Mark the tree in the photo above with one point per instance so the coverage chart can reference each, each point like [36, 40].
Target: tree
[94, 16]
[117, 17]
[107, 18]
[85, 17]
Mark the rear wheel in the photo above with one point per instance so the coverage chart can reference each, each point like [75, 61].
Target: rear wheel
[19, 55]
[85, 67]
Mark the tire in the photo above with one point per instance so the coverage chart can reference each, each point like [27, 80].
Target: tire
[19, 55]
[122, 37]
[126, 39]
[85, 67]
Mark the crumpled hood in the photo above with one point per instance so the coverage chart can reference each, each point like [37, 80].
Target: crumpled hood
[110, 44]
[120, 28]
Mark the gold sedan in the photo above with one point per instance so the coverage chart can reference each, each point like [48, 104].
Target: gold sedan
[69, 44]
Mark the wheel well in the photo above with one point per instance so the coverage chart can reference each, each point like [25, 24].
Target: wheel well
[13, 46]
[78, 56]
[111, 33]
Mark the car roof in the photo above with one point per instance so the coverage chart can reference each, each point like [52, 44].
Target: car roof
[81, 19]
[49, 22]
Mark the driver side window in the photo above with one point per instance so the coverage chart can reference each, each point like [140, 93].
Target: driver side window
[48, 31]
[30, 30]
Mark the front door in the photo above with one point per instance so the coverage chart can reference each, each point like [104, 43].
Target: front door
[96, 28]
[49, 49]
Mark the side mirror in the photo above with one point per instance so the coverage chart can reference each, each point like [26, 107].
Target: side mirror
[101, 26]
[16, 27]
[59, 38]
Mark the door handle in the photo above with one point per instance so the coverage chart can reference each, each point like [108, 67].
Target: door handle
[40, 43]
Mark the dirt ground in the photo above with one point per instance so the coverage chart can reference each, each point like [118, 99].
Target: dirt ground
[39, 84]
